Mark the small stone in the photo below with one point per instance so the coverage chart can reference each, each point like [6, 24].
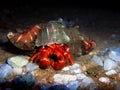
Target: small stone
[87, 81]
[105, 80]
[75, 68]
[59, 87]
[73, 85]
[17, 70]
[23, 81]
[98, 60]
[5, 71]
[93, 53]
[94, 87]
[64, 78]
[66, 68]
[81, 76]
[110, 72]
[31, 66]
[45, 87]
[76, 71]
[17, 61]
[109, 64]
[115, 54]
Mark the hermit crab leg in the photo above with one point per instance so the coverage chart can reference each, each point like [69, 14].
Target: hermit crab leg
[34, 56]
[71, 59]
[67, 54]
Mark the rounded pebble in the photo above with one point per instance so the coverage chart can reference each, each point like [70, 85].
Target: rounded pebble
[73, 85]
[64, 78]
[17, 61]
[5, 71]
[59, 87]
[31, 66]
[104, 80]
[45, 87]
[23, 81]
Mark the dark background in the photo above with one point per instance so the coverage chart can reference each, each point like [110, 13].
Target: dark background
[35, 4]
[50, 6]
[85, 10]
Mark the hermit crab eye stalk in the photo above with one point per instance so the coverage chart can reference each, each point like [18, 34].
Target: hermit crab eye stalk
[10, 35]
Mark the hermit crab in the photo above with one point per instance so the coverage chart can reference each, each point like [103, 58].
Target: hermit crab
[52, 43]
[56, 55]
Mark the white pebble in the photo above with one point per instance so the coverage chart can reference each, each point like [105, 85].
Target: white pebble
[75, 68]
[110, 72]
[64, 78]
[73, 85]
[31, 66]
[109, 64]
[81, 76]
[17, 61]
[87, 81]
[105, 80]
[76, 71]
[66, 68]
[115, 54]
[17, 70]
[98, 60]
[75, 65]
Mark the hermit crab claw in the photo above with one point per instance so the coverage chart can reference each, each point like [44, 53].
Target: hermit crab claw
[26, 40]
[87, 46]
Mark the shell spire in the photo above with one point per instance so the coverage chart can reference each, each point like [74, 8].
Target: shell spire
[26, 40]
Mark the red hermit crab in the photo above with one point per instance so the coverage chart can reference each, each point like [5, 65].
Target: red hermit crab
[56, 55]
[52, 50]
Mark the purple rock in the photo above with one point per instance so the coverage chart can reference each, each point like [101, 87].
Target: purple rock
[24, 81]
[59, 87]
[5, 71]
[73, 85]
[45, 87]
